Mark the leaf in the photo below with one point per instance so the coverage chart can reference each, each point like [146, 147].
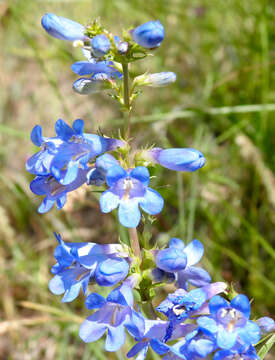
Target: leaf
[266, 347]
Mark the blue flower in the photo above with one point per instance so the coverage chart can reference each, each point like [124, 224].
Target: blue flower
[114, 312]
[100, 45]
[62, 28]
[149, 35]
[79, 263]
[179, 159]
[149, 333]
[195, 346]
[128, 190]
[179, 259]
[230, 322]
[266, 324]
[237, 353]
[54, 191]
[62, 156]
[103, 69]
[182, 305]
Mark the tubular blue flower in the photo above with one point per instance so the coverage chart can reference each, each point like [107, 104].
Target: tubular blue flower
[178, 159]
[114, 312]
[149, 35]
[266, 324]
[100, 45]
[77, 265]
[62, 156]
[230, 323]
[106, 68]
[238, 353]
[182, 305]
[149, 333]
[62, 28]
[128, 190]
[54, 191]
[179, 259]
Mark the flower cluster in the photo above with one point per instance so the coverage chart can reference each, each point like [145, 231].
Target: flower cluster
[193, 322]
[104, 51]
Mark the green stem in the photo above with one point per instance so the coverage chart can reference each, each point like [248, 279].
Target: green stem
[149, 310]
[126, 98]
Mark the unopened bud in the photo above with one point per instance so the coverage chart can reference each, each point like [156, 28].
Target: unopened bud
[156, 79]
[122, 47]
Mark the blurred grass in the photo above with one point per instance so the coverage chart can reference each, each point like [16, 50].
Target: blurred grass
[223, 103]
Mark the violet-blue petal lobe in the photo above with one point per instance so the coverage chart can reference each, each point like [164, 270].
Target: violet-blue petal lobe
[217, 303]
[90, 331]
[94, 301]
[129, 213]
[242, 304]
[115, 338]
[194, 252]
[152, 202]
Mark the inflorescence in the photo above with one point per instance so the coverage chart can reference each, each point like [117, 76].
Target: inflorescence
[195, 320]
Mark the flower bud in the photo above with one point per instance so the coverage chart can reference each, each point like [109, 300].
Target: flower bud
[62, 28]
[100, 45]
[171, 259]
[156, 80]
[85, 86]
[122, 47]
[149, 35]
[111, 271]
[266, 324]
[179, 159]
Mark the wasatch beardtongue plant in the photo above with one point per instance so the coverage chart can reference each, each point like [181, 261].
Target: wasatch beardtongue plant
[193, 322]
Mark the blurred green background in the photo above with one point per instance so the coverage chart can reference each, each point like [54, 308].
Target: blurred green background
[223, 104]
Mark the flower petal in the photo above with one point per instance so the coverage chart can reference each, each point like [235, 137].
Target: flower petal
[195, 275]
[63, 130]
[36, 135]
[242, 304]
[141, 173]
[226, 339]
[223, 354]
[216, 303]
[56, 285]
[46, 205]
[108, 201]
[72, 293]
[207, 324]
[90, 331]
[251, 333]
[152, 202]
[159, 347]
[194, 252]
[94, 301]
[136, 349]
[114, 174]
[128, 213]
[115, 338]
[177, 243]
